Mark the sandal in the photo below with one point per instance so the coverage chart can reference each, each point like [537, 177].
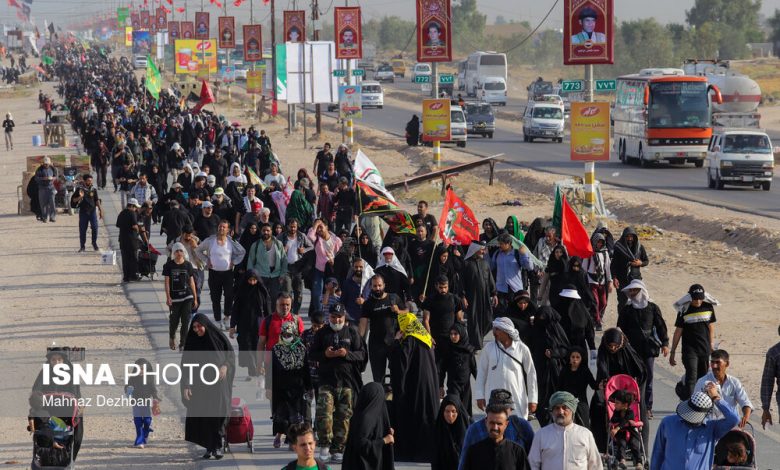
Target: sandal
[172, 344]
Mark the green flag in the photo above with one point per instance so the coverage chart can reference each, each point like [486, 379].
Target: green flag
[153, 78]
[558, 210]
[47, 60]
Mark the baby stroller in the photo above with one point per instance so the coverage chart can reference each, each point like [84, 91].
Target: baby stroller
[628, 384]
[729, 453]
[54, 436]
[147, 260]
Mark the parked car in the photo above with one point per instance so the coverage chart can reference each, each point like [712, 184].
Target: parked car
[385, 72]
[480, 119]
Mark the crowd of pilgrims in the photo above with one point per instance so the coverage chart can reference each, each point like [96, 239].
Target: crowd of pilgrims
[401, 303]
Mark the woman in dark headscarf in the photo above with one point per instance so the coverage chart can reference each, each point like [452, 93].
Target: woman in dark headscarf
[367, 250]
[369, 443]
[300, 209]
[578, 278]
[290, 381]
[250, 305]
[522, 313]
[615, 356]
[534, 233]
[575, 378]
[554, 277]
[208, 406]
[450, 431]
[489, 232]
[248, 237]
[576, 319]
[413, 131]
[460, 365]
[548, 346]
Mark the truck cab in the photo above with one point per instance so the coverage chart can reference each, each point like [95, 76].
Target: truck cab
[739, 157]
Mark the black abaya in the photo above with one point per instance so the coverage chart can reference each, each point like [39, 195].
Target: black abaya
[478, 288]
[547, 335]
[414, 381]
[288, 389]
[250, 306]
[365, 448]
[208, 408]
[460, 365]
[577, 383]
[448, 438]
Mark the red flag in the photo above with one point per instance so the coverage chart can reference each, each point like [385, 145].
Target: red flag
[167, 11]
[180, 9]
[170, 2]
[206, 97]
[457, 224]
[573, 234]
[238, 3]
[13, 3]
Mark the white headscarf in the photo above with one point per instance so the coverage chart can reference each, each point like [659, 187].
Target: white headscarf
[394, 263]
[504, 324]
[641, 300]
[682, 304]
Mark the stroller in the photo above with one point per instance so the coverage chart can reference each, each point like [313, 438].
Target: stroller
[736, 439]
[54, 435]
[626, 383]
[147, 260]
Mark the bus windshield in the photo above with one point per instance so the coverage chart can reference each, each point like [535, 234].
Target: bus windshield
[678, 105]
[746, 143]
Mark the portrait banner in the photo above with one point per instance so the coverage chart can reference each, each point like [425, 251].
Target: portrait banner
[135, 21]
[173, 31]
[161, 20]
[434, 31]
[201, 25]
[348, 33]
[227, 32]
[295, 26]
[187, 30]
[253, 43]
[146, 21]
[588, 32]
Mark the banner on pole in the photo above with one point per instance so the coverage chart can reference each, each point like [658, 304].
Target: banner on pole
[590, 131]
[434, 31]
[190, 57]
[201, 25]
[146, 21]
[187, 30]
[122, 13]
[436, 120]
[142, 43]
[173, 31]
[253, 43]
[227, 32]
[348, 34]
[254, 82]
[135, 21]
[588, 32]
[295, 26]
[161, 20]
[457, 224]
[128, 36]
[350, 102]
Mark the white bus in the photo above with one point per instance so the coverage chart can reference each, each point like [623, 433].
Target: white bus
[480, 65]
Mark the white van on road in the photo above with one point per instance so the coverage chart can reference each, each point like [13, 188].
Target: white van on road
[543, 120]
[458, 126]
[740, 157]
[493, 90]
[372, 95]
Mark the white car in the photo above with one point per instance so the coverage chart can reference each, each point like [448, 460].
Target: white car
[458, 126]
[493, 90]
[420, 70]
[241, 74]
[371, 95]
[740, 157]
[543, 120]
[384, 73]
[139, 62]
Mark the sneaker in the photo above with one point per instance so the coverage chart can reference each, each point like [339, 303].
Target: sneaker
[639, 466]
[325, 454]
[95, 247]
[139, 446]
[82, 250]
[337, 457]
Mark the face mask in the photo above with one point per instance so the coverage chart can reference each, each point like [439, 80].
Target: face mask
[377, 294]
[336, 327]
[287, 339]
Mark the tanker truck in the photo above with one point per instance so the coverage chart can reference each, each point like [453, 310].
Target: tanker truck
[740, 94]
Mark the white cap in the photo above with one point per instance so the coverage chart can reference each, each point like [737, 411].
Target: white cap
[133, 202]
[570, 293]
[206, 205]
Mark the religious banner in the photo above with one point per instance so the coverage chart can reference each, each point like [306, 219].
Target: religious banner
[588, 36]
[122, 13]
[253, 43]
[295, 26]
[135, 21]
[254, 82]
[348, 33]
[201, 25]
[227, 32]
[161, 20]
[457, 223]
[173, 31]
[146, 20]
[187, 30]
[434, 31]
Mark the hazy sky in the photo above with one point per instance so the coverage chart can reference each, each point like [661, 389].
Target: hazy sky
[529, 10]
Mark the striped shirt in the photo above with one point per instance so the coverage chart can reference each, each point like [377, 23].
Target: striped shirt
[770, 375]
[695, 323]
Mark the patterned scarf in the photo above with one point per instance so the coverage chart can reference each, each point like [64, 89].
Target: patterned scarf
[411, 326]
[290, 356]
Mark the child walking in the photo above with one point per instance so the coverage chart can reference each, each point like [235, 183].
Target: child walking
[143, 392]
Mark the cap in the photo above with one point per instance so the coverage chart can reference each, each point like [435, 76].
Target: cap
[570, 293]
[206, 205]
[338, 309]
[219, 191]
[501, 397]
[133, 202]
[176, 185]
[178, 246]
[697, 292]
[588, 12]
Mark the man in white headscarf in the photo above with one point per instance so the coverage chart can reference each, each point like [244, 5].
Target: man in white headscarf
[506, 363]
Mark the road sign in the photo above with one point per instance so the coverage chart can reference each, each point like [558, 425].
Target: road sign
[572, 85]
[339, 73]
[446, 78]
[606, 85]
[422, 79]
[358, 73]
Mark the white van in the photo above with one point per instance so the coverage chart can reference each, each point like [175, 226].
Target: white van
[372, 95]
[420, 70]
[458, 126]
[543, 120]
[493, 90]
[739, 157]
[139, 62]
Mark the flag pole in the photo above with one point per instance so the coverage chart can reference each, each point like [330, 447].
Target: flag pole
[360, 205]
[430, 263]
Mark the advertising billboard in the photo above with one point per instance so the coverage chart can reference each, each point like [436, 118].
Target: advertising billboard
[590, 131]
[128, 36]
[348, 33]
[190, 56]
[227, 32]
[254, 82]
[434, 31]
[294, 26]
[436, 120]
[350, 102]
[588, 32]
[142, 43]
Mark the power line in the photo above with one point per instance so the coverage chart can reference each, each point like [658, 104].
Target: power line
[534, 30]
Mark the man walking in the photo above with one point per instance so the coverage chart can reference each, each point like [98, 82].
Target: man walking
[770, 375]
[8, 130]
[495, 452]
[562, 444]
[731, 390]
[295, 245]
[508, 264]
[45, 176]
[380, 313]
[86, 200]
[267, 257]
[695, 326]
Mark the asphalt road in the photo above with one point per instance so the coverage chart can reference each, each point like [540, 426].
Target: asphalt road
[684, 182]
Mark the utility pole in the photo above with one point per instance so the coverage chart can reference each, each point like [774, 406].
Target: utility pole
[252, 21]
[227, 52]
[590, 167]
[274, 104]
[315, 16]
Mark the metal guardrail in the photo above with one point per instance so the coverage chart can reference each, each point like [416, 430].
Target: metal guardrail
[445, 173]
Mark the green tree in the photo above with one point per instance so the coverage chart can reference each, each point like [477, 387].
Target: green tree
[468, 26]
[737, 22]
[774, 36]
[642, 44]
[396, 34]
